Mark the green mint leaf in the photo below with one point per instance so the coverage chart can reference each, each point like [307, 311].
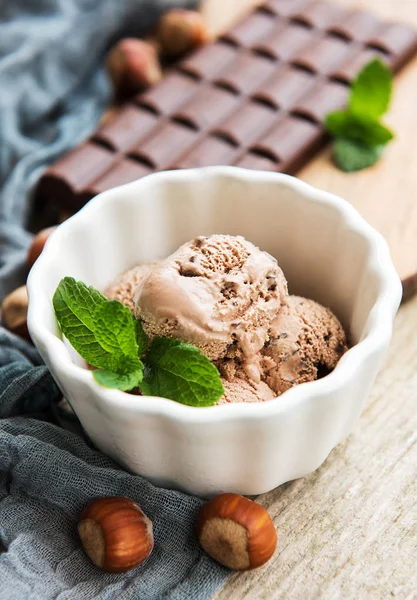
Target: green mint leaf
[350, 155]
[181, 372]
[346, 125]
[142, 339]
[82, 301]
[371, 90]
[75, 305]
[123, 382]
[115, 329]
[107, 336]
[103, 332]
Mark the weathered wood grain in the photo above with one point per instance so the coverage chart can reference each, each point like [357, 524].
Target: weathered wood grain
[349, 530]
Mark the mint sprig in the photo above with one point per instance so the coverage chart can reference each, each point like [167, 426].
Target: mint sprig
[181, 372]
[350, 155]
[371, 90]
[346, 125]
[360, 136]
[108, 337]
[103, 332]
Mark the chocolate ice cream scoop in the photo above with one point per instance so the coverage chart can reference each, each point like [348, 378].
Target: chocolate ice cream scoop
[220, 293]
[242, 390]
[124, 287]
[306, 343]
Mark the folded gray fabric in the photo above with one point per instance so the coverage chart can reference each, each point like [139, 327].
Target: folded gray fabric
[52, 91]
[47, 475]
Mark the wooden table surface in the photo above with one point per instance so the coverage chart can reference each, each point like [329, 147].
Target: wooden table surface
[349, 530]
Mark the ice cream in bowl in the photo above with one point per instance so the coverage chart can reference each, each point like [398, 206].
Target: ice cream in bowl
[230, 299]
[235, 321]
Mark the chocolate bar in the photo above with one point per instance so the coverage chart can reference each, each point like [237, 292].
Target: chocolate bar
[256, 97]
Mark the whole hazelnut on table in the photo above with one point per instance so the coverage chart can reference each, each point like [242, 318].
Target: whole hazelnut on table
[236, 532]
[37, 245]
[180, 31]
[14, 311]
[133, 65]
[116, 535]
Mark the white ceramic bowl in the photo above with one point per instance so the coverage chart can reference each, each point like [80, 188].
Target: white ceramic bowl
[328, 253]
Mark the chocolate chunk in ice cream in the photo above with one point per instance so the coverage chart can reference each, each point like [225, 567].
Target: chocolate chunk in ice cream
[306, 343]
[220, 293]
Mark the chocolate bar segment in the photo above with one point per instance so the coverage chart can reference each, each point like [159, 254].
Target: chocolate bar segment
[285, 42]
[322, 55]
[325, 97]
[169, 94]
[207, 107]
[169, 141]
[245, 125]
[65, 182]
[209, 152]
[258, 163]
[358, 25]
[126, 129]
[289, 141]
[121, 172]
[285, 8]
[256, 98]
[246, 73]
[320, 15]
[397, 40]
[253, 29]
[348, 69]
[285, 87]
[209, 61]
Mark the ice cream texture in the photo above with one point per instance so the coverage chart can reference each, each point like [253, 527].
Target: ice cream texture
[220, 293]
[229, 298]
[245, 390]
[306, 343]
[124, 287]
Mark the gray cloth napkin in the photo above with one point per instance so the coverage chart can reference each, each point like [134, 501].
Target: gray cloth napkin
[52, 91]
[47, 475]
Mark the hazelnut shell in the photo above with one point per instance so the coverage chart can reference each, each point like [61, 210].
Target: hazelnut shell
[14, 311]
[236, 532]
[180, 31]
[133, 65]
[37, 245]
[116, 534]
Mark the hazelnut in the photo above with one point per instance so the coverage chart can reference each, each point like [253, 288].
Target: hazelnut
[37, 245]
[63, 215]
[236, 532]
[14, 311]
[133, 65]
[180, 31]
[116, 535]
